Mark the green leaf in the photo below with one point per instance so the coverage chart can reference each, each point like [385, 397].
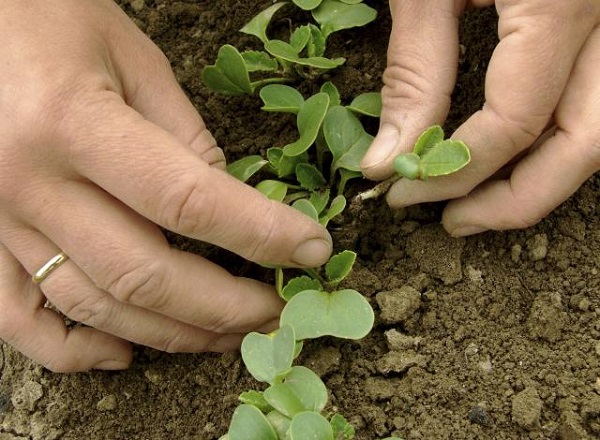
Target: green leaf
[301, 390]
[246, 167]
[333, 92]
[268, 356]
[248, 423]
[281, 98]
[408, 165]
[255, 398]
[345, 176]
[279, 422]
[334, 15]
[307, 5]
[284, 165]
[338, 204]
[368, 104]
[343, 314]
[351, 2]
[319, 199]
[444, 158]
[305, 207]
[258, 25]
[428, 139]
[309, 120]
[228, 75]
[317, 42]
[310, 425]
[342, 429]
[273, 189]
[309, 177]
[339, 266]
[299, 284]
[346, 138]
[285, 51]
[258, 61]
[300, 38]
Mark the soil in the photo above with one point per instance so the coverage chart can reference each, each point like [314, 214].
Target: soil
[496, 336]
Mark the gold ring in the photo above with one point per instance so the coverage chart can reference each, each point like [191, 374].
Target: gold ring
[47, 268]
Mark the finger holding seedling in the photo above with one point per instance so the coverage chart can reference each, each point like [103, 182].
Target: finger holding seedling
[100, 145]
[530, 72]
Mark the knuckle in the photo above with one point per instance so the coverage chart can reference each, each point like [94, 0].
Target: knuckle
[143, 284]
[261, 245]
[227, 320]
[191, 209]
[90, 310]
[405, 82]
[173, 343]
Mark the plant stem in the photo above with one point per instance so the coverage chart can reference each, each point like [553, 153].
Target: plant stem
[378, 190]
[314, 274]
[263, 82]
[279, 281]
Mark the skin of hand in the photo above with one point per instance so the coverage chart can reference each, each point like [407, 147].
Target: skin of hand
[537, 137]
[99, 146]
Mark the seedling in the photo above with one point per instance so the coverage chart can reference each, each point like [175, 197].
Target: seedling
[303, 56]
[432, 156]
[292, 406]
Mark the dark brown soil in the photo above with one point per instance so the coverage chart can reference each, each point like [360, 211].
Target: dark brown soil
[492, 337]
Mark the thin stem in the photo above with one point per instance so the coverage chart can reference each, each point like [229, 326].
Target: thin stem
[263, 82]
[279, 281]
[378, 190]
[314, 274]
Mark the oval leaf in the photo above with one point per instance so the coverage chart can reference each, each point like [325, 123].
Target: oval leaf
[248, 423]
[310, 425]
[299, 284]
[368, 104]
[246, 167]
[346, 138]
[301, 390]
[281, 98]
[268, 356]
[307, 5]
[279, 422]
[309, 120]
[338, 204]
[408, 165]
[309, 177]
[333, 92]
[258, 25]
[339, 266]
[444, 158]
[255, 398]
[257, 61]
[428, 139]
[305, 207]
[343, 314]
[228, 75]
[334, 15]
[273, 189]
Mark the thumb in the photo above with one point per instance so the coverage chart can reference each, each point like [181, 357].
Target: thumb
[418, 81]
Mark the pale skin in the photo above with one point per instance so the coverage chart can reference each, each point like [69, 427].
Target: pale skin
[537, 137]
[100, 145]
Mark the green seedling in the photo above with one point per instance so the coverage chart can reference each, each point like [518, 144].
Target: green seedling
[303, 56]
[433, 156]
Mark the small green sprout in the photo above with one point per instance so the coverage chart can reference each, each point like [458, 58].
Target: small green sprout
[433, 156]
[303, 56]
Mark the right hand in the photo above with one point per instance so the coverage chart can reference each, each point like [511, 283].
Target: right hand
[99, 146]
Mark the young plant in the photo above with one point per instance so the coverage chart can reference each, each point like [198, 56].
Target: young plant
[293, 404]
[432, 156]
[303, 56]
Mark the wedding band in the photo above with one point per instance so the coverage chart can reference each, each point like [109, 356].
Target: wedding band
[47, 268]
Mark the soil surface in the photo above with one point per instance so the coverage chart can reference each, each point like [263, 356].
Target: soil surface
[495, 336]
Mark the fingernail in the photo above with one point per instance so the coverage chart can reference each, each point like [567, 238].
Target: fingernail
[463, 231]
[112, 364]
[312, 253]
[382, 147]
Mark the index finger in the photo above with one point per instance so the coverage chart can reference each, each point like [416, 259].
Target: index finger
[153, 173]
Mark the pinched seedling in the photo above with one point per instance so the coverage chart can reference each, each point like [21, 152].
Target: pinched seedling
[433, 156]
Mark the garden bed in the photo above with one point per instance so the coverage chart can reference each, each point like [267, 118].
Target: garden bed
[496, 336]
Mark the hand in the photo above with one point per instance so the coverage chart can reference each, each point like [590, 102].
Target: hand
[99, 145]
[536, 139]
